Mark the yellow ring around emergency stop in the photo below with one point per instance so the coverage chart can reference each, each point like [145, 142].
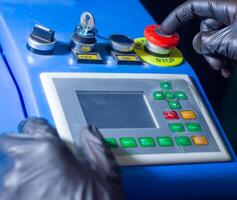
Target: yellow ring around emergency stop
[174, 59]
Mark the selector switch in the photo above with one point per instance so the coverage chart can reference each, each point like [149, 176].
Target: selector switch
[157, 42]
[41, 40]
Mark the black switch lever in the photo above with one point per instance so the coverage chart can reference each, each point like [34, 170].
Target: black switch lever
[41, 40]
[42, 33]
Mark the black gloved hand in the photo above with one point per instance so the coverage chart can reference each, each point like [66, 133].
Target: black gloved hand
[45, 169]
[217, 39]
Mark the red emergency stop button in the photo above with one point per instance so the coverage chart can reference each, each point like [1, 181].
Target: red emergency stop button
[156, 37]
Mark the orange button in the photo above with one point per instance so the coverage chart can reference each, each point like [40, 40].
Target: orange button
[187, 114]
[200, 140]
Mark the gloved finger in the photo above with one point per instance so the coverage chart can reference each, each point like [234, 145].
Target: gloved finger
[96, 152]
[223, 11]
[215, 43]
[222, 64]
[102, 162]
[23, 122]
[14, 144]
[47, 163]
[36, 126]
[227, 73]
[215, 47]
[228, 69]
[214, 62]
[209, 24]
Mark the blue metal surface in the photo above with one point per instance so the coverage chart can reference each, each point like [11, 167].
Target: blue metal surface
[10, 104]
[17, 17]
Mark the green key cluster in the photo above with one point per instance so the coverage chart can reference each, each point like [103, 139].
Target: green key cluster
[169, 95]
[162, 141]
[191, 127]
[172, 97]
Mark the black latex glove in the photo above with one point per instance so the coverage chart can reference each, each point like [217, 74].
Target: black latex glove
[45, 169]
[217, 39]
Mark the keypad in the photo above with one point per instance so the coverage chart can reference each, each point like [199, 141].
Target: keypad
[163, 141]
[180, 133]
[174, 100]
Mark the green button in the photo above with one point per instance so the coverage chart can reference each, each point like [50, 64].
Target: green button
[169, 95]
[164, 141]
[181, 95]
[146, 142]
[176, 127]
[165, 85]
[174, 105]
[112, 143]
[193, 127]
[182, 141]
[158, 95]
[128, 142]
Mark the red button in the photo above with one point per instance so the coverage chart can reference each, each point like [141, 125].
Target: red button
[151, 33]
[170, 115]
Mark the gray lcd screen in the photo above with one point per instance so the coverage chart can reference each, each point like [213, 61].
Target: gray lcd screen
[115, 109]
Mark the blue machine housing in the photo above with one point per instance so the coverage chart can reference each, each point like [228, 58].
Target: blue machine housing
[17, 17]
[10, 101]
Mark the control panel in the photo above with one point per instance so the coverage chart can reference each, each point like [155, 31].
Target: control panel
[145, 119]
[155, 48]
[110, 65]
